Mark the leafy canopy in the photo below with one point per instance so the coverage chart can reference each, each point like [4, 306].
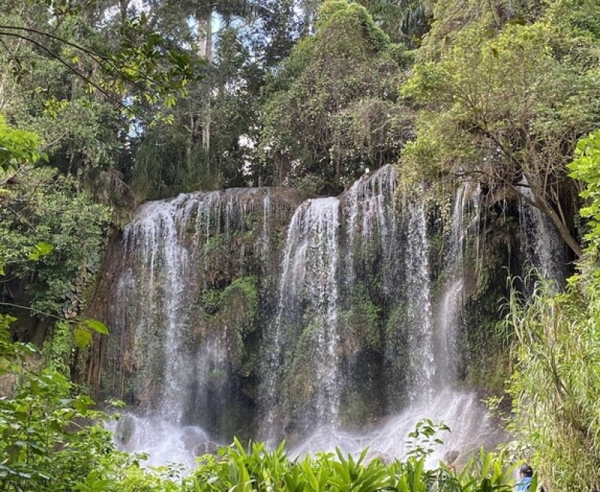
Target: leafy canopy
[586, 167]
[503, 102]
[555, 386]
[331, 110]
[18, 147]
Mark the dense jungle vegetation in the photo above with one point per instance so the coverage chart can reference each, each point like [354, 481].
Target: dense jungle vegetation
[106, 103]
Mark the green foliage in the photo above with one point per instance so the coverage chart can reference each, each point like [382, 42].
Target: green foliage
[140, 57]
[169, 161]
[52, 438]
[485, 472]
[262, 470]
[504, 101]
[236, 306]
[58, 351]
[237, 469]
[331, 111]
[586, 167]
[422, 441]
[83, 79]
[247, 287]
[50, 240]
[52, 441]
[241, 293]
[555, 385]
[18, 147]
[339, 13]
[208, 139]
[403, 20]
[40, 211]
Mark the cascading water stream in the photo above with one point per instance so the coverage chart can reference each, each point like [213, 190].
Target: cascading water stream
[451, 299]
[265, 246]
[308, 295]
[371, 219]
[541, 240]
[432, 345]
[154, 236]
[181, 366]
[419, 310]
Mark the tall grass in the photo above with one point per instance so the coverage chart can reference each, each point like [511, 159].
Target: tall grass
[555, 385]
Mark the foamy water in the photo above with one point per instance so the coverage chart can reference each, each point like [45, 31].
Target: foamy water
[470, 423]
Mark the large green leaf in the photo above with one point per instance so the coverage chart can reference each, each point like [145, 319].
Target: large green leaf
[82, 337]
[97, 326]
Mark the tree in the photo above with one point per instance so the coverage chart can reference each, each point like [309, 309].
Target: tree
[554, 386]
[503, 107]
[50, 238]
[48, 441]
[17, 147]
[331, 111]
[174, 156]
[81, 78]
[586, 167]
[140, 57]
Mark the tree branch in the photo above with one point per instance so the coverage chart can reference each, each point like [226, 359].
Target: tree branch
[94, 55]
[33, 310]
[70, 67]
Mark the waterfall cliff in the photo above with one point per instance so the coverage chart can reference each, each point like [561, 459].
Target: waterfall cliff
[248, 312]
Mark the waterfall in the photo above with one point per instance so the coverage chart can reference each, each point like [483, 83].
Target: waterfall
[172, 363]
[463, 412]
[541, 242]
[431, 341]
[265, 244]
[417, 290]
[371, 220]
[307, 312]
[451, 299]
[154, 239]
[245, 312]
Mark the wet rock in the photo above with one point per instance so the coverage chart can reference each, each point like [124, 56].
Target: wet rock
[207, 447]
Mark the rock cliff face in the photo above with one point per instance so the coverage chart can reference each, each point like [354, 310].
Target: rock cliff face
[185, 295]
[248, 312]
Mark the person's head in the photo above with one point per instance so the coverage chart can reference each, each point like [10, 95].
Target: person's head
[526, 471]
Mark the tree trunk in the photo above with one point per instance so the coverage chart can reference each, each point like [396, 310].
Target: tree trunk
[205, 36]
[540, 203]
[205, 50]
[561, 227]
[124, 5]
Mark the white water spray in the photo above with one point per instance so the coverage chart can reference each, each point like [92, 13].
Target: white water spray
[308, 286]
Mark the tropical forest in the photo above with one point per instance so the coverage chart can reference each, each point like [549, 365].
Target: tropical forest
[299, 245]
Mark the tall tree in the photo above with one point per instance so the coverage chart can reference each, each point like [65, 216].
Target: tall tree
[504, 104]
[331, 111]
[79, 76]
[223, 108]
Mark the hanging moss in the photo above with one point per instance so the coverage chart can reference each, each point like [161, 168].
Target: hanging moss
[359, 325]
[483, 341]
[245, 286]
[210, 301]
[232, 311]
[300, 384]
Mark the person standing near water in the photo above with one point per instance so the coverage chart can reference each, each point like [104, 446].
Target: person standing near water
[525, 474]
